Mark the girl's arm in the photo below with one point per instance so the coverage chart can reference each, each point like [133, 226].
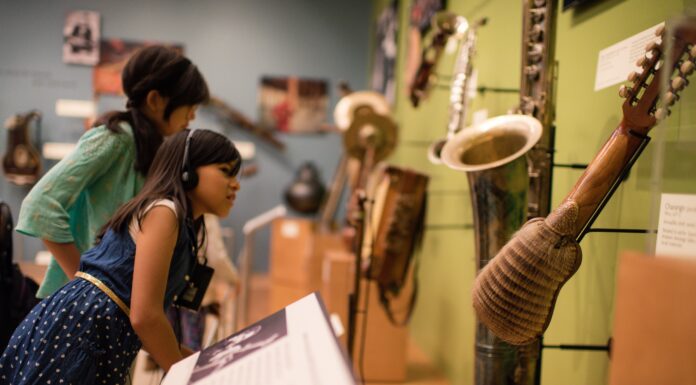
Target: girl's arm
[154, 247]
[45, 211]
[67, 256]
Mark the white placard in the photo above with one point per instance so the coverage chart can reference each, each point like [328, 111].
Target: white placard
[72, 108]
[676, 230]
[617, 61]
[57, 150]
[295, 345]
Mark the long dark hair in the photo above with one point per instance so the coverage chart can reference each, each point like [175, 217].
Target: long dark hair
[161, 69]
[164, 179]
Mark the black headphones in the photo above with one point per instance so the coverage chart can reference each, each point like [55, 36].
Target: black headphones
[189, 178]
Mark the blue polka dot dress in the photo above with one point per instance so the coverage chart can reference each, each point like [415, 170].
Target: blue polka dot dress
[76, 336]
[79, 335]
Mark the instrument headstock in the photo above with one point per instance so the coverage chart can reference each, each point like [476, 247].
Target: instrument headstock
[644, 106]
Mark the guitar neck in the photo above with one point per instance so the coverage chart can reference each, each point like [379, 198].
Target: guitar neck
[603, 175]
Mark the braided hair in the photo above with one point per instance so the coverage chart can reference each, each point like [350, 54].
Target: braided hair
[173, 76]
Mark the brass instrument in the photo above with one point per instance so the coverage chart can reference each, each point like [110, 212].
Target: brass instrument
[463, 69]
[493, 156]
[509, 175]
[537, 98]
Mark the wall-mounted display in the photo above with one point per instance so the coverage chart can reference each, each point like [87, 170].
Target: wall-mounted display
[545, 253]
[114, 53]
[81, 38]
[293, 105]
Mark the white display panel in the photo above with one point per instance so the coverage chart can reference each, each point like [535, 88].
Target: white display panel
[294, 346]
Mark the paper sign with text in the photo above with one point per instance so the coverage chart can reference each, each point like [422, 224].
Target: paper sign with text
[676, 230]
[617, 61]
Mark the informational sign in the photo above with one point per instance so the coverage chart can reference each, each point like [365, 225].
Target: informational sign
[617, 61]
[295, 345]
[676, 231]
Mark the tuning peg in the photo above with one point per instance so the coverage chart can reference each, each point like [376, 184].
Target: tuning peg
[687, 68]
[642, 61]
[662, 113]
[624, 91]
[652, 46]
[633, 76]
[670, 98]
[678, 83]
[659, 31]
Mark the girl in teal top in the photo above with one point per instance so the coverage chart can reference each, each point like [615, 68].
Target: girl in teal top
[69, 205]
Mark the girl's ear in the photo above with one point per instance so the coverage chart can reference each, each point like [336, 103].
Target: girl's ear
[155, 103]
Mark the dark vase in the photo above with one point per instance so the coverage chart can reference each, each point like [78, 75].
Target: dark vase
[306, 192]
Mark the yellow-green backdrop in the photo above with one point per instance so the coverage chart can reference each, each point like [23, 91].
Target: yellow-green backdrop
[443, 323]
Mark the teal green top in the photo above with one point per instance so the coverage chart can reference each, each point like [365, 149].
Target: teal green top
[79, 194]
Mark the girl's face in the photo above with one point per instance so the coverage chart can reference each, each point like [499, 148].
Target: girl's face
[216, 190]
[178, 120]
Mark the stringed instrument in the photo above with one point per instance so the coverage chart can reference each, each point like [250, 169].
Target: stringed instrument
[394, 231]
[514, 295]
[21, 163]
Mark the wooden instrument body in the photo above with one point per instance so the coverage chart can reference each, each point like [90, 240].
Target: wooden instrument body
[21, 163]
[397, 218]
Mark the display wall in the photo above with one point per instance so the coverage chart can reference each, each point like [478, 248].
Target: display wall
[443, 322]
[233, 43]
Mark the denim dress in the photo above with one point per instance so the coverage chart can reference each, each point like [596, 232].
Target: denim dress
[79, 335]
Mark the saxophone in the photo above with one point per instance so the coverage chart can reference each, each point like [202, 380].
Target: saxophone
[463, 69]
[508, 163]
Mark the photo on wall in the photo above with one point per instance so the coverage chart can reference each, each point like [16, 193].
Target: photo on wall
[81, 38]
[114, 53]
[293, 105]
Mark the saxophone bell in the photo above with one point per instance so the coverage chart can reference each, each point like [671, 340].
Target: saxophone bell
[493, 155]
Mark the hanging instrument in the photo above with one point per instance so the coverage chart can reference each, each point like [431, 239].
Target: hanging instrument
[369, 136]
[459, 91]
[515, 294]
[394, 231]
[447, 24]
[21, 163]
[508, 164]
[537, 97]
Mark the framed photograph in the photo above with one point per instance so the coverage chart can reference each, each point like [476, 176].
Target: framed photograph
[114, 53]
[81, 38]
[293, 105]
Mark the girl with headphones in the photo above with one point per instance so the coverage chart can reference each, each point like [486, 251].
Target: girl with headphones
[91, 329]
[74, 199]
